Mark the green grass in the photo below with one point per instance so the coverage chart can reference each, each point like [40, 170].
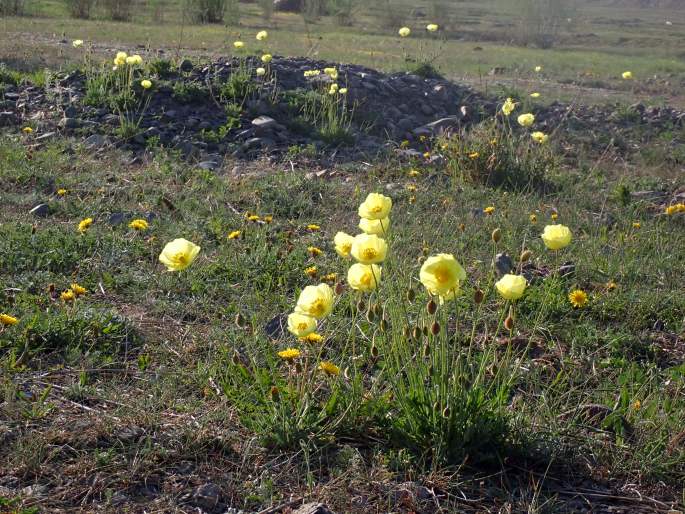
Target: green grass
[620, 356]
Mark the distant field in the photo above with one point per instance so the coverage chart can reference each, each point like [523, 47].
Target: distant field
[592, 50]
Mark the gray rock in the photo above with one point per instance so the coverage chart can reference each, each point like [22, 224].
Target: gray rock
[207, 496]
[503, 264]
[208, 165]
[116, 218]
[313, 508]
[186, 66]
[41, 210]
[264, 124]
[46, 136]
[95, 141]
[438, 127]
[68, 123]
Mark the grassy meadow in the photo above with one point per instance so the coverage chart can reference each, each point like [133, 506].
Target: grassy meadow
[453, 360]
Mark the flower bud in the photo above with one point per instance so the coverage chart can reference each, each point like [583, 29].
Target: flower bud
[371, 315]
[406, 332]
[425, 330]
[478, 296]
[416, 333]
[298, 367]
[361, 305]
[509, 321]
[339, 288]
[411, 295]
[239, 320]
[446, 412]
[525, 255]
[431, 307]
[236, 358]
[374, 351]
[496, 235]
[384, 325]
[275, 393]
[426, 350]
[377, 310]
[435, 328]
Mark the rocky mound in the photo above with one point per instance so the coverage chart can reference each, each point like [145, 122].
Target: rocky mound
[188, 112]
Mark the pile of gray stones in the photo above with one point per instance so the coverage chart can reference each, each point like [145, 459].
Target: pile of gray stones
[387, 109]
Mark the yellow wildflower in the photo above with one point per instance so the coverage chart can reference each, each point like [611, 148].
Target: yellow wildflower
[311, 271]
[301, 325]
[511, 287]
[146, 84]
[414, 173]
[627, 75]
[375, 207]
[289, 354]
[343, 244]
[179, 254]
[78, 290]
[533, 218]
[535, 95]
[556, 237]
[77, 43]
[369, 249]
[432, 27]
[262, 35]
[578, 298]
[61, 192]
[404, 31]
[315, 301]
[238, 44]
[363, 277]
[313, 227]
[314, 251]
[260, 72]
[268, 218]
[539, 137]
[253, 217]
[508, 107]
[67, 296]
[312, 338]
[611, 285]
[378, 227]
[526, 120]
[85, 224]
[442, 275]
[554, 216]
[636, 224]
[27, 130]
[138, 224]
[329, 368]
[329, 278]
[538, 69]
[266, 58]
[489, 210]
[7, 320]
[474, 155]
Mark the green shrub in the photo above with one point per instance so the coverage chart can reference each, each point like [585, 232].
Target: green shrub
[119, 10]
[79, 8]
[208, 11]
[12, 7]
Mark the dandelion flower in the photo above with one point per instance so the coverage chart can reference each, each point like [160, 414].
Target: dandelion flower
[378, 227]
[535, 95]
[414, 173]
[441, 275]
[556, 237]
[329, 368]
[253, 217]
[312, 227]
[146, 84]
[432, 27]
[636, 224]
[178, 254]
[404, 31]
[27, 130]
[533, 218]
[578, 298]
[315, 301]
[675, 209]
[238, 44]
[375, 207]
[526, 120]
[266, 58]
[538, 69]
[234, 234]
[314, 251]
[301, 325]
[329, 278]
[554, 216]
[67, 296]
[539, 137]
[611, 285]
[85, 224]
[511, 287]
[289, 354]
[343, 244]
[312, 338]
[508, 106]
[489, 210]
[311, 271]
[474, 155]
[268, 218]
[7, 320]
[342, 91]
[364, 277]
[138, 224]
[262, 35]
[77, 43]
[627, 75]
[369, 249]
[260, 72]
[78, 290]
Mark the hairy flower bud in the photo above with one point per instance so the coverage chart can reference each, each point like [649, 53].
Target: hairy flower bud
[525, 255]
[478, 296]
[431, 307]
[496, 235]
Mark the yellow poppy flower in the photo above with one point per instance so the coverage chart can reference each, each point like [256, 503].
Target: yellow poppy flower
[301, 325]
[375, 207]
[179, 254]
[432, 27]
[343, 244]
[627, 75]
[238, 44]
[262, 35]
[378, 227]
[539, 137]
[260, 72]
[364, 277]
[369, 249]
[266, 58]
[315, 301]
[442, 275]
[404, 31]
[556, 237]
[526, 120]
[146, 84]
[511, 287]
[508, 107]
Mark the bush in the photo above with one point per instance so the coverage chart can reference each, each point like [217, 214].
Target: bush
[267, 7]
[79, 8]
[118, 10]
[540, 21]
[213, 11]
[344, 11]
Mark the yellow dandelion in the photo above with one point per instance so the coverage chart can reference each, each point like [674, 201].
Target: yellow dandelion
[138, 224]
[27, 130]
[533, 218]
[85, 224]
[314, 251]
[636, 405]
[411, 188]
[268, 218]
[554, 216]
[61, 192]
[235, 234]
[329, 368]
[67, 296]
[414, 173]
[489, 210]
[535, 95]
[578, 298]
[253, 217]
[289, 354]
[636, 224]
[312, 338]
[313, 227]
[311, 271]
[7, 320]
[78, 290]
[611, 285]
